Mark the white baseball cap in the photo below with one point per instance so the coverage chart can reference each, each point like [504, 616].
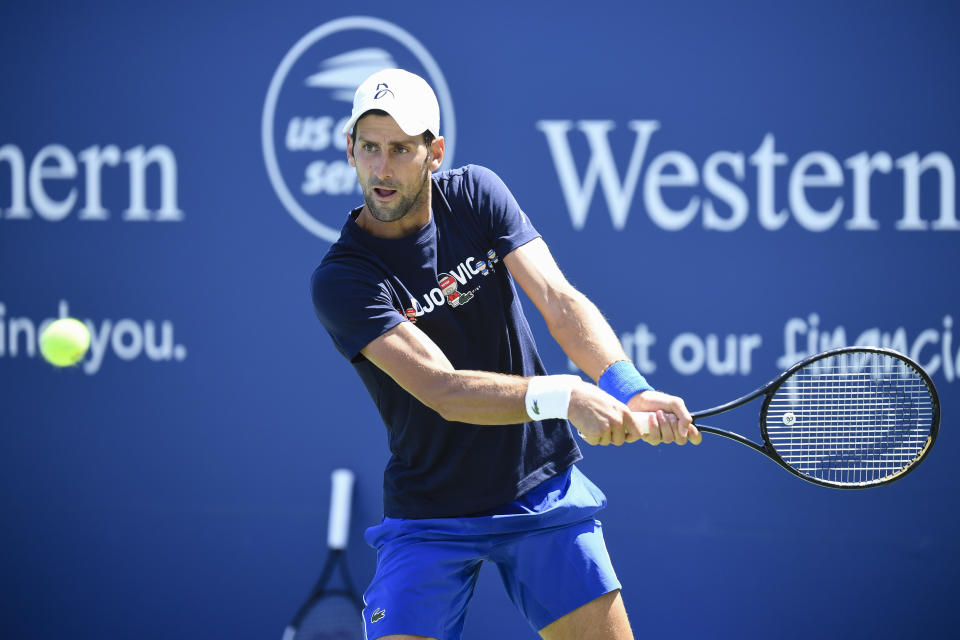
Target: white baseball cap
[405, 96]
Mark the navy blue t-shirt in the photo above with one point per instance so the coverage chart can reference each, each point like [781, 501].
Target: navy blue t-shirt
[448, 278]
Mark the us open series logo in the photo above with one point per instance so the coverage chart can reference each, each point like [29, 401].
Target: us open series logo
[308, 102]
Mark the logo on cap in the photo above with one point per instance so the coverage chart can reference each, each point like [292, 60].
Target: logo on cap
[309, 101]
[382, 90]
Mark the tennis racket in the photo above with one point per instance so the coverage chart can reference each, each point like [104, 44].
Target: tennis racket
[849, 418]
[332, 613]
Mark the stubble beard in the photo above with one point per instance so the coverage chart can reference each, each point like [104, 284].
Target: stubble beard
[403, 205]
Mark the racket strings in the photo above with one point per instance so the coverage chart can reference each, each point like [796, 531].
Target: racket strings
[851, 421]
[332, 617]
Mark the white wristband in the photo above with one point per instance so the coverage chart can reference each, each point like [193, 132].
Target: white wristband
[549, 396]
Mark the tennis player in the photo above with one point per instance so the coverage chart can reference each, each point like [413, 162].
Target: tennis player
[419, 295]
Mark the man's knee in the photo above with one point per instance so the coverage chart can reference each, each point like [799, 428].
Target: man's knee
[604, 618]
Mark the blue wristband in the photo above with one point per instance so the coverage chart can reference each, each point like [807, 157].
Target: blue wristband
[623, 381]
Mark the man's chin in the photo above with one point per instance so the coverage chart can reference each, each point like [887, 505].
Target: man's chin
[386, 215]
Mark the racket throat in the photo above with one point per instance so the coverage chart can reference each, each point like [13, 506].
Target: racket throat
[733, 436]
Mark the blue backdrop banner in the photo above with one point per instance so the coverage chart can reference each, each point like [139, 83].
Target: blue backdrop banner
[735, 185]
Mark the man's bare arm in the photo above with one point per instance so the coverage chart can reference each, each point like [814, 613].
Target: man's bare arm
[586, 336]
[418, 365]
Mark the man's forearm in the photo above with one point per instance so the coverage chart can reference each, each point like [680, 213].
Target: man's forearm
[584, 334]
[480, 397]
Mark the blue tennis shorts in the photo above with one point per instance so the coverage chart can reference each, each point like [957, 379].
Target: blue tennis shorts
[547, 545]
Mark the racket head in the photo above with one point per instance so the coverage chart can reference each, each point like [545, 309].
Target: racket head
[332, 615]
[851, 418]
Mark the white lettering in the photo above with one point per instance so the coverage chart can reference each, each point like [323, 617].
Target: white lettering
[93, 158]
[18, 205]
[748, 344]
[601, 166]
[55, 162]
[913, 168]
[716, 365]
[340, 141]
[681, 363]
[863, 166]
[23, 326]
[139, 160]
[334, 178]
[831, 175]
[792, 330]
[735, 356]
[309, 134]
[636, 344]
[685, 175]
[814, 170]
[459, 275]
[796, 329]
[315, 134]
[65, 168]
[429, 306]
[870, 337]
[949, 368]
[897, 341]
[767, 160]
[726, 191]
[99, 339]
[929, 336]
[164, 350]
[418, 310]
[127, 339]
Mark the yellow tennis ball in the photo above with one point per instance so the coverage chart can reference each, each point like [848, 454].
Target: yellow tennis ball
[65, 342]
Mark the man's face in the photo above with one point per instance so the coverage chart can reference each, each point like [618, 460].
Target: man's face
[392, 167]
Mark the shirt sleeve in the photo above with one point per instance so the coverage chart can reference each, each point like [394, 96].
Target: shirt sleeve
[509, 227]
[353, 307]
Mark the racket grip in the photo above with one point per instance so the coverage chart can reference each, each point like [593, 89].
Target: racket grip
[643, 417]
[341, 490]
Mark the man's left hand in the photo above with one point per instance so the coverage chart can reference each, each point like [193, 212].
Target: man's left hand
[679, 426]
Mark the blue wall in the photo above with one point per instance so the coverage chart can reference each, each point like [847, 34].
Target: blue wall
[734, 184]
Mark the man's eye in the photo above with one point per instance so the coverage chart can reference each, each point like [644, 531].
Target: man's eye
[369, 148]
[402, 150]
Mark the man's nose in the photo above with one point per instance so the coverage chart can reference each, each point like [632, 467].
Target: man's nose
[382, 168]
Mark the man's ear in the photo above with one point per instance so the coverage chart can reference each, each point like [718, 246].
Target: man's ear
[350, 158]
[436, 149]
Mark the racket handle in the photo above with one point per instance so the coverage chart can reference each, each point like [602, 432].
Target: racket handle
[644, 418]
[341, 491]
